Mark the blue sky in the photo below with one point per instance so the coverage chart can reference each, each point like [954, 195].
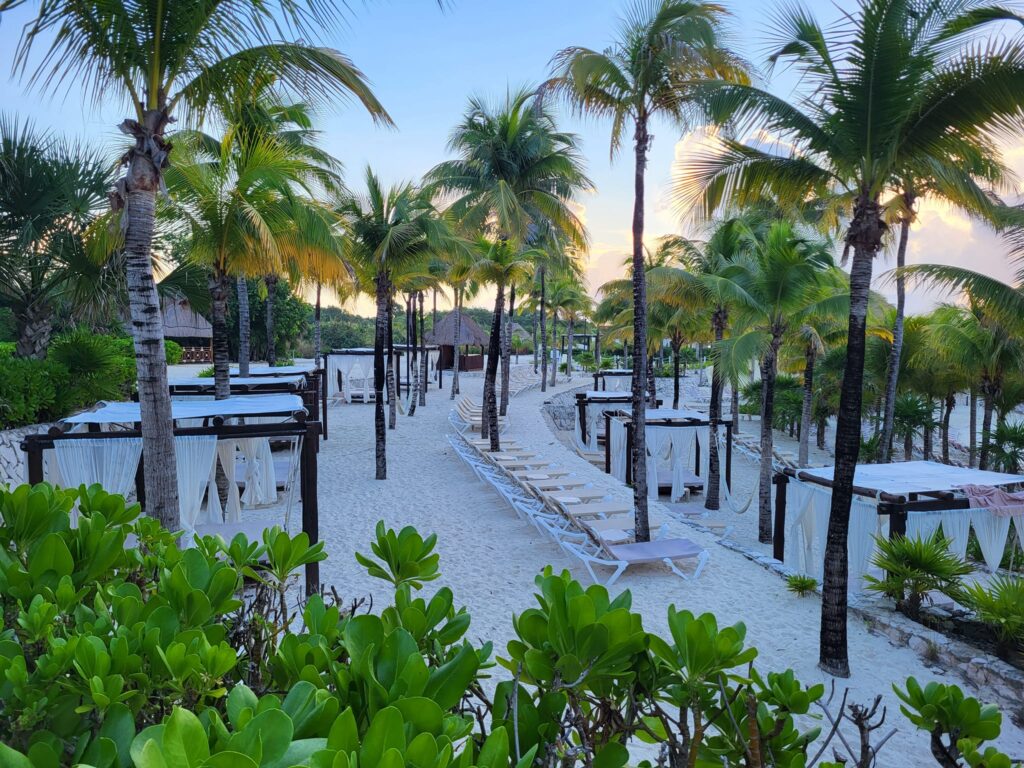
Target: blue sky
[423, 64]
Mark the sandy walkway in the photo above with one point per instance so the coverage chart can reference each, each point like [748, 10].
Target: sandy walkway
[489, 557]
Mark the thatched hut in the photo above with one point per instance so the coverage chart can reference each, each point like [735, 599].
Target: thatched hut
[190, 329]
[470, 335]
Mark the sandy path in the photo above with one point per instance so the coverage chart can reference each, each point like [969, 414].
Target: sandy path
[489, 557]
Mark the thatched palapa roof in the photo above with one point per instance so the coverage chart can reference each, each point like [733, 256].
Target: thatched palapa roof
[182, 322]
[443, 334]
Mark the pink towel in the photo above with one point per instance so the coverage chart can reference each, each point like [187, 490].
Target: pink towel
[1002, 503]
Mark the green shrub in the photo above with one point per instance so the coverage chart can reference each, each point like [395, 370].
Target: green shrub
[154, 656]
[206, 373]
[1000, 604]
[173, 351]
[7, 349]
[801, 585]
[96, 366]
[31, 391]
[915, 567]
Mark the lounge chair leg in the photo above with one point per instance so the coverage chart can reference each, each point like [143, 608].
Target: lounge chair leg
[618, 572]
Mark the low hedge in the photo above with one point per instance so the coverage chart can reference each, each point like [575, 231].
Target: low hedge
[81, 368]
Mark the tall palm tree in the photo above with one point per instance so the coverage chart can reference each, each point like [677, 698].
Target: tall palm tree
[895, 85]
[945, 181]
[772, 286]
[388, 228]
[647, 74]
[514, 174]
[170, 60]
[52, 195]
[237, 197]
[500, 263]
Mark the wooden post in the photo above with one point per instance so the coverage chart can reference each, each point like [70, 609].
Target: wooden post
[779, 534]
[581, 413]
[696, 457]
[607, 442]
[629, 453]
[322, 379]
[34, 459]
[310, 509]
[728, 456]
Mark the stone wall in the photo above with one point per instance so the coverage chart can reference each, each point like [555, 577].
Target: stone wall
[12, 459]
[561, 409]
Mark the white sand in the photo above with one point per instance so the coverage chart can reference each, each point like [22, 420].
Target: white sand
[489, 557]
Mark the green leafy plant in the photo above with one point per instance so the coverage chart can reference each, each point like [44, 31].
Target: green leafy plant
[801, 585]
[405, 557]
[1001, 605]
[915, 567]
[958, 725]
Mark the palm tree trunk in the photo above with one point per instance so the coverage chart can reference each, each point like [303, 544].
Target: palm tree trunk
[865, 238]
[506, 350]
[712, 492]
[908, 445]
[219, 320]
[380, 330]
[271, 281]
[675, 375]
[892, 376]
[142, 182]
[820, 431]
[928, 431]
[973, 404]
[316, 327]
[244, 326]
[423, 355]
[638, 458]
[554, 344]
[392, 393]
[988, 405]
[568, 351]
[34, 327]
[946, 413]
[764, 497]
[543, 335]
[489, 425]
[456, 348]
[805, 412]
[652, 383]
[734, 405]
[218, 283]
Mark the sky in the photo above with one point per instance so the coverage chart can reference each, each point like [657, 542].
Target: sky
[424, 63]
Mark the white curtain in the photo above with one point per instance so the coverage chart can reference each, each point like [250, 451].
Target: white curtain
[214, 512]
[110, 462]
[798, 501]
[810, 528]
[991, 530]
[659, 448]
[922, 525]
[578, 432]
[260, 474]
[956, 526]
[194, 456]
[618, 449]
[683, 441]
[865, 524]
[333, 369]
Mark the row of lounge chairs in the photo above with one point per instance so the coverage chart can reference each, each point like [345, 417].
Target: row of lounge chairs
[468, 416]
[581, 519]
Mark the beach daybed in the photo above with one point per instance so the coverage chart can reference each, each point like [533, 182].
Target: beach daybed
[913, 498]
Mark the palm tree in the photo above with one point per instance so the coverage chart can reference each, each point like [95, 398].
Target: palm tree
[948, 182]
[662, 48]
[515, 174]
[854, 132]
[52, 194]
[501, 263]
[387, 230]
[236, 197]
[169, 59]
[772, 286]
